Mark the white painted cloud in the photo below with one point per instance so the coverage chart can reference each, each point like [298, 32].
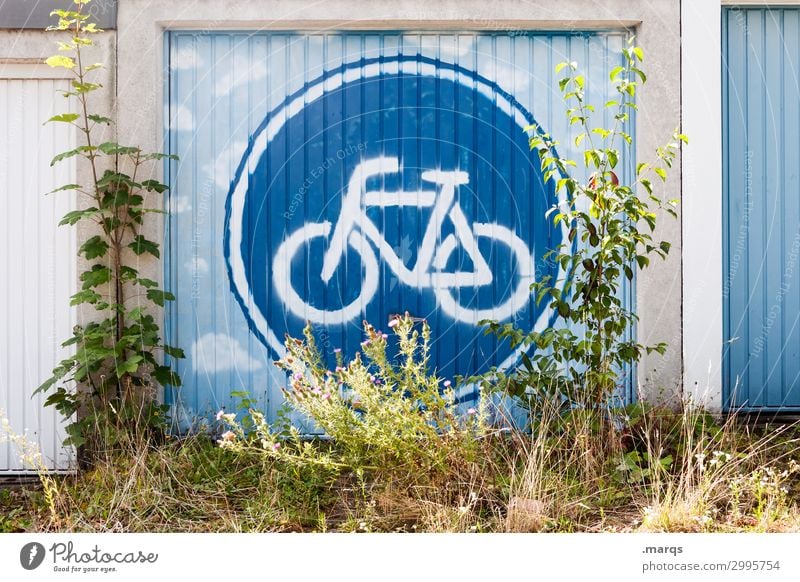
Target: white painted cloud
[229, 80]
[185, 57]
[226, 163]
[218, 352]
[182, 119]
[180, 204]
[197, 265]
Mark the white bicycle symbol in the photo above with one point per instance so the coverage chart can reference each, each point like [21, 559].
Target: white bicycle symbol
[356, 230]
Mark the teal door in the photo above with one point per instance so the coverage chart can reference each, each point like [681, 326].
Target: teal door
[761, 208]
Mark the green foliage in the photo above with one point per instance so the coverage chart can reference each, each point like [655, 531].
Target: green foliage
[611, 232]
[389, 423]
[110, 380]
[379, 414]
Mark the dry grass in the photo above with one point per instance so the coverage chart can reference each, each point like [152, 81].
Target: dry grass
[566, 475]
[736, 479]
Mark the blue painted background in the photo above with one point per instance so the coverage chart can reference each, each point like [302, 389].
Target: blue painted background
[270, 128]
[761, 208]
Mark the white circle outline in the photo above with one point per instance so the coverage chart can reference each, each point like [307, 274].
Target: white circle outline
[279, 118]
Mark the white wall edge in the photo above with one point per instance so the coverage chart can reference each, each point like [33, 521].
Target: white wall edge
[701, 104]
[33, 69]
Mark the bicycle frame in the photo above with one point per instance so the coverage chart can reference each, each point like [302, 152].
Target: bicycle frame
[431, 257]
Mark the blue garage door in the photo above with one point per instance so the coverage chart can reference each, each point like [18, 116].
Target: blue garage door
[336, 178]
[761, 156]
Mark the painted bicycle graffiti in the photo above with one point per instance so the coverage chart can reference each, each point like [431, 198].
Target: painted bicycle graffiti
[355, 231]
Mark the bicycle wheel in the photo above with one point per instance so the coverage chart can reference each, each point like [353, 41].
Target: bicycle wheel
[282, 275]
[519, 297]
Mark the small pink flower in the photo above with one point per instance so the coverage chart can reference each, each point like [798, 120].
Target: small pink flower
[326, 396]
[228, 436]
[472, 411]
[394, 322]
[337, 350]
[339, 369]
[297, 376]
[385, 336]
[276, 446]
[447, 383]
[220, 414]
[365, 343]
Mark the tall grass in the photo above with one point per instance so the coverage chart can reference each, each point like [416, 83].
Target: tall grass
[726, 477]
[569, 473]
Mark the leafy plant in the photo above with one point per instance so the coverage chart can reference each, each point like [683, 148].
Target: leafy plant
[389, 423]
[378, 414]
[110, 379]
[610, 229]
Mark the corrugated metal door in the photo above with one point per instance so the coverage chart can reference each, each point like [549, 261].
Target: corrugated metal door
[761, 157]
[37, 258]
[338, 177]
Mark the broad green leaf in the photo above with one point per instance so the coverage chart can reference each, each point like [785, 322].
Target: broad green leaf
[63, 118]
[89, 296]
[116, 179]
[68, 154]
[129, 366]
[174, 352]
[62, 61]
[158, 296]
[100, 119]
[159, 156]
[82, 88]
[77, 215]
[94, 247]
[96, 276]
[128, 273]
[628, 272]
[65, 187]
[45, 385]
[142, 245]
[166, 377]
[111, 148]
[154, 186]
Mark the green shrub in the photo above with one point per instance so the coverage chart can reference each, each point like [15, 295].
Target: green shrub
[389, 423]
[610, 227]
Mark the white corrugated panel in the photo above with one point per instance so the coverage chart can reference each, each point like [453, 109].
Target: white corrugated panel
[37, 258]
